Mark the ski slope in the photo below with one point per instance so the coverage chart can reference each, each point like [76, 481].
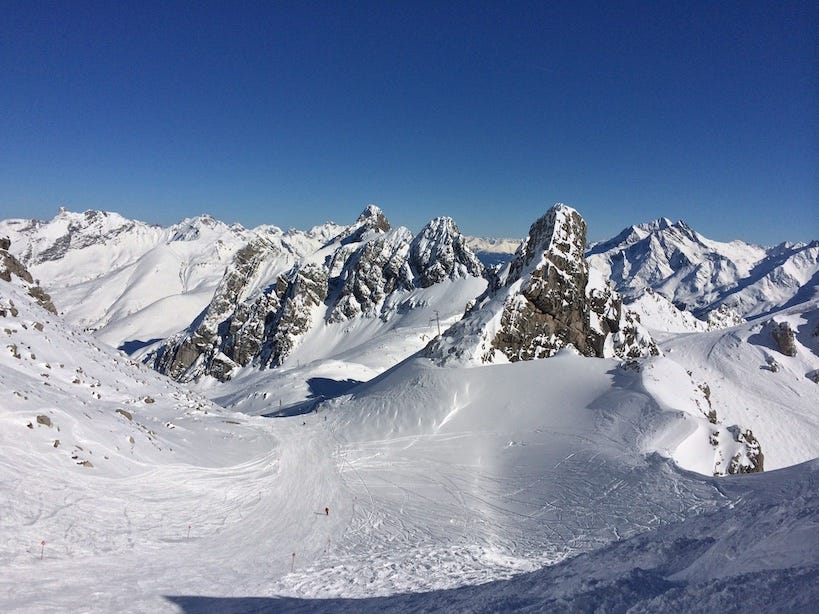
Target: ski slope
[436, 479]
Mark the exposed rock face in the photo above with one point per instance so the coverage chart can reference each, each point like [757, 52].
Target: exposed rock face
[550, 309]
[547, 300]
[200, 344]
[250, 321]
[11, 268]
[441, 252]
[632, 340]
[372, 219]
[302, 290]
[750, 458]
[785, 338]
[373, 271]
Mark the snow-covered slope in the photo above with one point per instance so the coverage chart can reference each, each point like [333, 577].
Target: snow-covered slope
[662, 318]
[757, 552]
[700, 275]
[434, 479]
[753, 383]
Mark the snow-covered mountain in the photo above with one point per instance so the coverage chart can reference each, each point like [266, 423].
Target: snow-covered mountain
[131, 282]
[547, 298]
[493, 252]
[562, 484]
[701, 275]
[260, 313]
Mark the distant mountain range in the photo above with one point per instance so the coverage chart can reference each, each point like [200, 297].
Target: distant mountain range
[701, 275]
[133, 284]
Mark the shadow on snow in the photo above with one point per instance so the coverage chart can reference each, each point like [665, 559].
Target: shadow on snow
[321, 389]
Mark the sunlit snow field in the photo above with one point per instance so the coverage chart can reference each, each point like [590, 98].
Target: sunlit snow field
[434, 478]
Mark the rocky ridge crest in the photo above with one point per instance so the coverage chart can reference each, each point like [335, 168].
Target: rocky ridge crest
[355, 274]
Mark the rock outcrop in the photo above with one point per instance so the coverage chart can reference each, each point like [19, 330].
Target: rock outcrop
[547, 300]
[12, 270]
[371, 272]
[200, 345]
[441, 252]
[785, 338]
[750, 458]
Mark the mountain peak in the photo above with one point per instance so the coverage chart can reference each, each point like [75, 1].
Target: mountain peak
[561, 230]
[373, 218]
[548, 302]
[440, 251]
[658, 224]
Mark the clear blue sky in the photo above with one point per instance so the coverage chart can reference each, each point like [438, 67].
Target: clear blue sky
[293, 113]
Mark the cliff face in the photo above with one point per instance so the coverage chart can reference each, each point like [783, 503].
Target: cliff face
[547, 300]
[548, 309]
[441, 252]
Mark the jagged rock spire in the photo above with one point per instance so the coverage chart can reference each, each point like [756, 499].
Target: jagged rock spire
[546, 301]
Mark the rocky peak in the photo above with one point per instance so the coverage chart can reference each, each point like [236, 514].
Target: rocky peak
[550, 309]
[373, 218]
[191, 229]
[547, 301]
[557, 238]
[371, 272]
[359, 273]
[441, 252]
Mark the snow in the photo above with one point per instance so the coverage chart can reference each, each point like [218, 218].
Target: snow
[445, 486]
[779, 407]
[661, 317]
[701, 274]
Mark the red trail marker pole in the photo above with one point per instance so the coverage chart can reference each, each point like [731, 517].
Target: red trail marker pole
[42, 549]
[189, 532]
[292, 562]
